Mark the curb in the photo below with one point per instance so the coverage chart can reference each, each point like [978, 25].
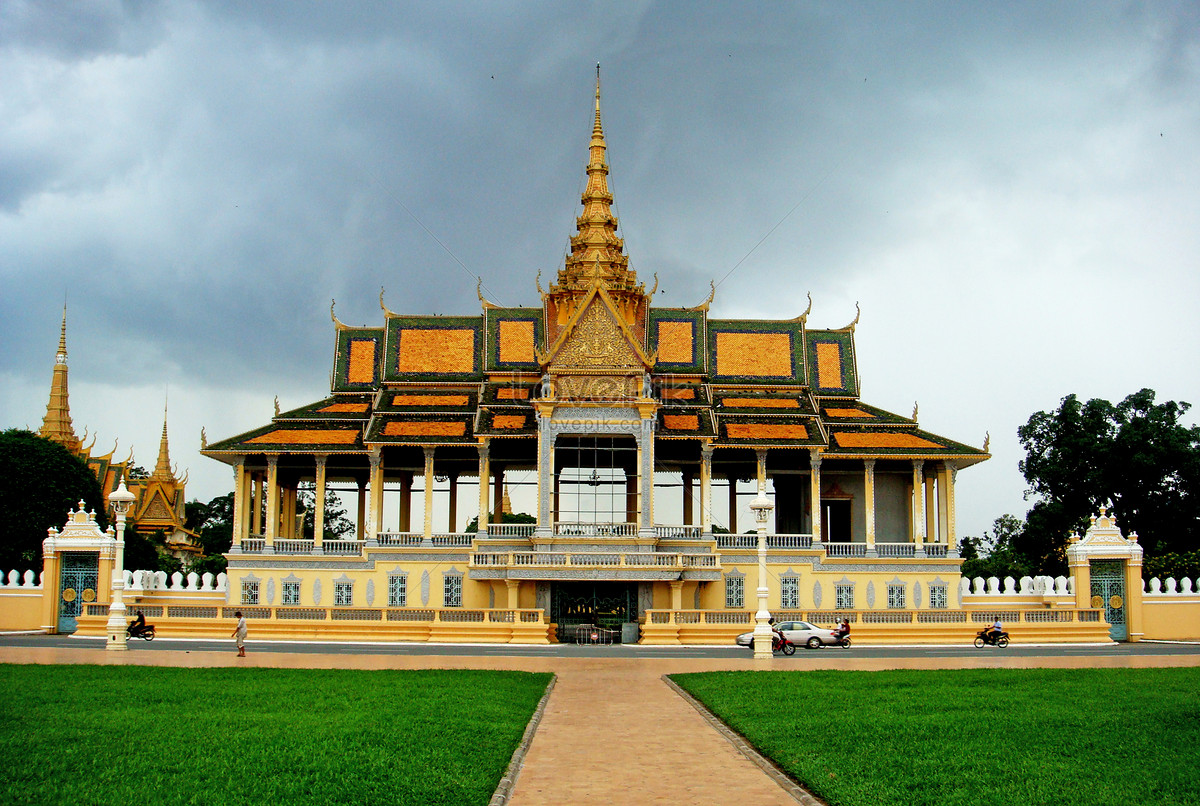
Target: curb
[509, 780]
[797, 792]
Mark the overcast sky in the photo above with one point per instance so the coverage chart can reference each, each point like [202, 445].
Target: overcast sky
[1009, 191]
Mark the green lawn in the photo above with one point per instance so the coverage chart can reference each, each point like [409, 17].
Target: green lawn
[1082, 737]
[128, 735]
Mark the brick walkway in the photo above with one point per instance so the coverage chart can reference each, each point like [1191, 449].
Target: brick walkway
[613, 731]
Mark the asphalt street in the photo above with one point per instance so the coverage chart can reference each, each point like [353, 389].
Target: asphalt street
[1014, 650]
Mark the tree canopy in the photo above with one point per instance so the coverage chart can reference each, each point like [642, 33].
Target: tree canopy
[213, 522]
[41, 483]
[1136, 455]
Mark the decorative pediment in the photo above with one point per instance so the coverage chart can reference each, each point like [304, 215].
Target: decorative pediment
[1104, 539]
[595, 338]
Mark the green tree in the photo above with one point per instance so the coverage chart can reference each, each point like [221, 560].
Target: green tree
[148, 552]
[995, 553]
[337, 521]
[1136, 454]
[505, 517]
[213, 524]
[41, 483]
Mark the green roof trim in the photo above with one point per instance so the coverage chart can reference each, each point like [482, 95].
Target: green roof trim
[494, 317]
[794, 330]
[398, 325]
[696, 364]
[343, 346]
[847, 373]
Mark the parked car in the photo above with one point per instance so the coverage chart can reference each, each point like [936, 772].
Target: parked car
[800, 633]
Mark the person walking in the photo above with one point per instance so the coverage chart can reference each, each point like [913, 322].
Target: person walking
[239, 633]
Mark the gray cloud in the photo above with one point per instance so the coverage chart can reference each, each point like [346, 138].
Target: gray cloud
[1008, 191]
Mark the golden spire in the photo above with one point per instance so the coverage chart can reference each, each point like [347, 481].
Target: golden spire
[56, 425]
[162, 469]
[596, 245]
[506, 503]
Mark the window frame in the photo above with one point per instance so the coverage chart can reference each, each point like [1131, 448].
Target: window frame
[452, 590]
[789, 592]
[397, 582]
[735, 592]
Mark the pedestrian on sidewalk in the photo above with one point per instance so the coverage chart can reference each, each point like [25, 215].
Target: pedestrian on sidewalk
[239, 633]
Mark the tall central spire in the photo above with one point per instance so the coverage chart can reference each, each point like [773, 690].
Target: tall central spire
[162, 470]
[596, 251]
[56, 425]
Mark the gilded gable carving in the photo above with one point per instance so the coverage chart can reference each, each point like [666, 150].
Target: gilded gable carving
[597, 341]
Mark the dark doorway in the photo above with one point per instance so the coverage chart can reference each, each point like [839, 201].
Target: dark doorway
[835, 520]
[577, 606]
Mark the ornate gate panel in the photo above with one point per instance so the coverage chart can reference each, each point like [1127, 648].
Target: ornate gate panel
[606, 605]
[1108, 591]
[77, 585]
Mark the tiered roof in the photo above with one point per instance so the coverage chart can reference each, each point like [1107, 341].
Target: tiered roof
[434, 380]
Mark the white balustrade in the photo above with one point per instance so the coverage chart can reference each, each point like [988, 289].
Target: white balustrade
[581, 529]
[510, 529]
[884, 549]
[294, 546]
[677, 532]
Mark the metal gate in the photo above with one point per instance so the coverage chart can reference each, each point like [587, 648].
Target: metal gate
[1108, 591]
[592, 612]
[77, 583]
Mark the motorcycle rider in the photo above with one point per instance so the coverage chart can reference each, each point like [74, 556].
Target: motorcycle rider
[843, 629]
[777, 637]
[997, 628]
[138, 625]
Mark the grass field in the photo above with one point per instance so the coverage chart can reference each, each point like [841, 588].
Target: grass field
[127, 735]
[1084, 737]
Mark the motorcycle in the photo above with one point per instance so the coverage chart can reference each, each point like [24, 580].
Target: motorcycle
[986, 638]
[779, 642]
[145, 632]
[838, 640]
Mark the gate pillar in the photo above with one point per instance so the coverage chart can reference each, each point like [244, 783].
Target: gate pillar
[85, 579]
[1106, 568]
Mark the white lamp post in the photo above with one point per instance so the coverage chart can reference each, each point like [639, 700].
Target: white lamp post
[763, 634]
[121, 500]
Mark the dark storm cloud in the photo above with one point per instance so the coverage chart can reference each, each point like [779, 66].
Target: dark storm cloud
[202, 178]
[80, 29]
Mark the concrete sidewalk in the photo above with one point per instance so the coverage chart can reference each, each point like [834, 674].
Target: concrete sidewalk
[613, 731]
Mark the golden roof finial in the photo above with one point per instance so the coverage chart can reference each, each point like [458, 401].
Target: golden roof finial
[162, 468]
[596, 242]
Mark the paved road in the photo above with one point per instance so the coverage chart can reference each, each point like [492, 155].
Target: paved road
[802, 656]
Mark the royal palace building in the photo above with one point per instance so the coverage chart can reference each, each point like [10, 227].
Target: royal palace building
[628, 416]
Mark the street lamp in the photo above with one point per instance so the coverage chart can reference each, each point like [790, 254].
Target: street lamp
[763, 634]
[121, 500]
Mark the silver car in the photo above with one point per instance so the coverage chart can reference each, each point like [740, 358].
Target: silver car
[800, 633]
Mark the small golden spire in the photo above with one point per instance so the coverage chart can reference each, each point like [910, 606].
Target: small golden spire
[56, 425]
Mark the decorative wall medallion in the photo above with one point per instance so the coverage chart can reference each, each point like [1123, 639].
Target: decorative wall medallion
[271, 591]
[916, 598]
[317, 592]
[370, 593]
[817, 596]
[425, 588]
[871, 593]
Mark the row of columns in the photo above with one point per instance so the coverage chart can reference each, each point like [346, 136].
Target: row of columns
[262, 506]
[932, 500]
